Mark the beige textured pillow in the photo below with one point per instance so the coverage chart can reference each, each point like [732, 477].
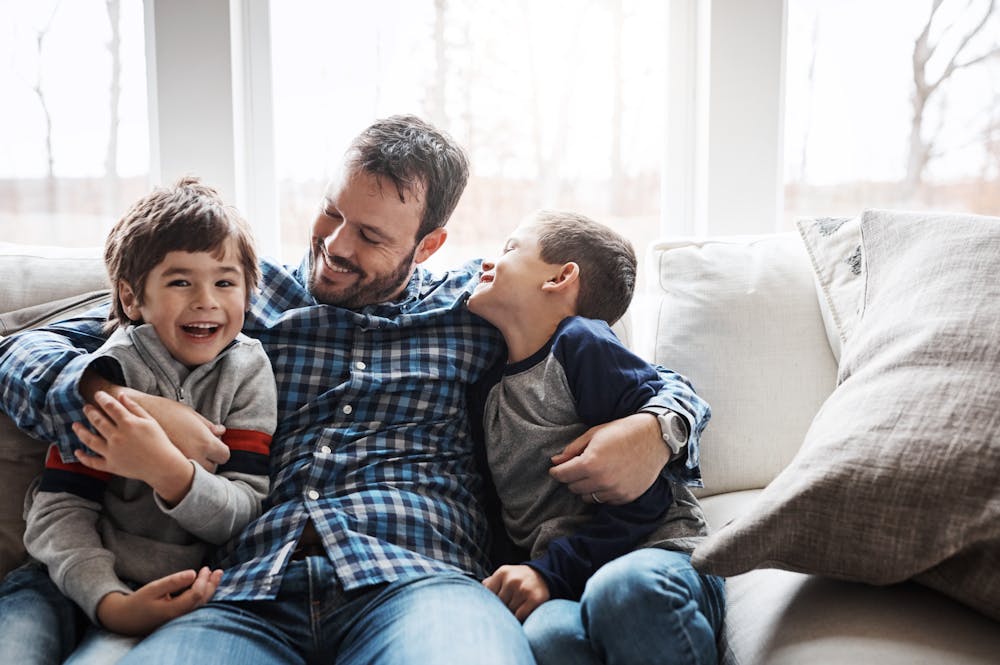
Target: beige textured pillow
[899, 474]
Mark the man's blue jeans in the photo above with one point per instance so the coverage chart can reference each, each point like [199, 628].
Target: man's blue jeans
[649, 606]
[434, 619]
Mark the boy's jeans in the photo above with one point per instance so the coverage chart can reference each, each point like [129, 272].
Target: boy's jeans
[41, 626]
[649, 606]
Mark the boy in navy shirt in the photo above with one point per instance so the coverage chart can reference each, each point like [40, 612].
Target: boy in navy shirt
[560, 283]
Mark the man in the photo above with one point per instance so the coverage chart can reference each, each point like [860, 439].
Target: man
[371, 545]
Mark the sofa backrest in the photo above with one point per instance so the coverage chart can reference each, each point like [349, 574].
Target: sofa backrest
[739, 317]
[40, 274]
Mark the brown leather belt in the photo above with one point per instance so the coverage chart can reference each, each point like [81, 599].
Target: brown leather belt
[310, 544]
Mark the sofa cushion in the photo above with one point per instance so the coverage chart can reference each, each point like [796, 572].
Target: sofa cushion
[32, 275]
[776, 617]
[834, 247]
[739, 317]
[42, 285]
[897, 477]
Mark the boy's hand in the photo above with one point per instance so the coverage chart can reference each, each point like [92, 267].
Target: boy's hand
[131, 444]
[521, 588]
[154, 604]
[616, 461]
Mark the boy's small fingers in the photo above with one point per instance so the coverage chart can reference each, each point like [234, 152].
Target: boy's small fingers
[132, 406]
[90, 461]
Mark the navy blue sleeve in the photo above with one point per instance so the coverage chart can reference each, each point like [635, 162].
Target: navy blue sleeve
[607, 380]
[613, 531]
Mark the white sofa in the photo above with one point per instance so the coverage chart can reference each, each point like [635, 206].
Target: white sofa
[740, 317]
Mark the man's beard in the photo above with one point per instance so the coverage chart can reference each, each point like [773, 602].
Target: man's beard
[360, 293]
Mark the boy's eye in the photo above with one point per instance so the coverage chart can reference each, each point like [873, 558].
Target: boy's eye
[179, 282]
[225, 283]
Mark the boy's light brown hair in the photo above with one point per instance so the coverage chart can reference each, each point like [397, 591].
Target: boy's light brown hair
[606, 259]
[186, 217]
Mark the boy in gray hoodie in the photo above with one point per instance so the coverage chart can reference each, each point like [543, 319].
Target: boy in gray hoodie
[123, 530]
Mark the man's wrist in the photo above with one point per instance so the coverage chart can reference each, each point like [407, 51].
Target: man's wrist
[673, 429]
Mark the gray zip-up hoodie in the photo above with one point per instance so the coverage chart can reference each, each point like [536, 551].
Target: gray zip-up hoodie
[99, 534]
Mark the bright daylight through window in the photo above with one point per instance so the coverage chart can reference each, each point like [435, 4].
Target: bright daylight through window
[556, 108]
[887, 103]
[892, 104]
[74, 144]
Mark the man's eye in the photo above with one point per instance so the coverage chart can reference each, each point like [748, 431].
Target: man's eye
[369, 238]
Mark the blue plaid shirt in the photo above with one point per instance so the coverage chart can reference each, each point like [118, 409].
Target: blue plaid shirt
[373, 438]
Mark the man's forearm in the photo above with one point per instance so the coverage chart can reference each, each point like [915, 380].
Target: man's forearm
[40, 373]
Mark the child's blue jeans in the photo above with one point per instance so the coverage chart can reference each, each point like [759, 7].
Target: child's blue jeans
[41, 626]
[649, 606]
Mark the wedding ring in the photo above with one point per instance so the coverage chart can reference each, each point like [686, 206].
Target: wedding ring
[593, 495]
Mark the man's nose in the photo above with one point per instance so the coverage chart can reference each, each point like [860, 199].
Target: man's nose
[338, 242]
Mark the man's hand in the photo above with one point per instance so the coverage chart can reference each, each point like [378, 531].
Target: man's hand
[131, 444]
[521, 588]
[195, 436]
[616, 461]
[154, 604]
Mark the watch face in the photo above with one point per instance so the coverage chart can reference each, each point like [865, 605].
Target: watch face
[676, 432]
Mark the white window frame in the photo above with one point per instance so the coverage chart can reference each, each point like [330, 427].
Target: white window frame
[211, 111]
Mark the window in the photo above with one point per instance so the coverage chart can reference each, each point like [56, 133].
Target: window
[857, 134]
[74, 141]
[557, 107]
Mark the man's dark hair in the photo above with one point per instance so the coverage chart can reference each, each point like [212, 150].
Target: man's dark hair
[414, 155]
[607, 261]
[187, 217]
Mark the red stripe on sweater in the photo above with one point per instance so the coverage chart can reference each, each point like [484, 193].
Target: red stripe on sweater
[54, 461]
[247, 440]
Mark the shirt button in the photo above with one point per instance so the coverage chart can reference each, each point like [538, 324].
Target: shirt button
[313, 494]
[325, 450]
[348, 409]
[360, 365]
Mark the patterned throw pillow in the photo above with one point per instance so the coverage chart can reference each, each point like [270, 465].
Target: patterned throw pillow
[834, 247]
[897, 476]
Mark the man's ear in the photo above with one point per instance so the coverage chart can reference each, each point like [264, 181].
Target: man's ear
[429, 244]
[567, 277]
[130, 303]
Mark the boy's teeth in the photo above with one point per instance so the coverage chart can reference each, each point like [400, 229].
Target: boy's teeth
[200, 328]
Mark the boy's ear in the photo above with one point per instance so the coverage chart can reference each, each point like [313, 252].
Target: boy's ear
[567, 277]
[126, 295]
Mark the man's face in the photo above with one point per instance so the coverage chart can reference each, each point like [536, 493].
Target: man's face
[363, 246]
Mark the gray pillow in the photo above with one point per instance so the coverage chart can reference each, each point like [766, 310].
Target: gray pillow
[899, 473]
[22, 457]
